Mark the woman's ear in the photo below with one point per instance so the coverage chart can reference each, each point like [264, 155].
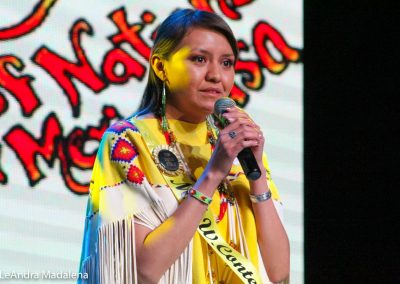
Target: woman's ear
[158, 67]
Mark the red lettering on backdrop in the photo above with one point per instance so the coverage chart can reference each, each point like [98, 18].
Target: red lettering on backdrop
[131, 67]
[27, 147]
[3, 176]
[19, 87]
[30, 23]
[228, 8]
[131, 33]
[264, 32]
[3, 103]
[71, 150]
[52, 144]
[63, 70]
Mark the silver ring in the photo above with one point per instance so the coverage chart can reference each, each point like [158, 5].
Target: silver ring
[232, 134]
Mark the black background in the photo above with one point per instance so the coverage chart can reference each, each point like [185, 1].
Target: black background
[351, 157]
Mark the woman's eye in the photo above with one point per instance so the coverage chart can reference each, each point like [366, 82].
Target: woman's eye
[199, 59]
[227, 63]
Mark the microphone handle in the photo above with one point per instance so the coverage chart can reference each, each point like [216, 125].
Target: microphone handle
[249, 164]
[246, 157]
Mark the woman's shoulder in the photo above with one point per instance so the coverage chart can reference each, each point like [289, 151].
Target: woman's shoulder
[130, 125]
[148, 115]
[120, 127]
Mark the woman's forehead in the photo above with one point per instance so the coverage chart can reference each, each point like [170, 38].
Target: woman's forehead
[205, 40]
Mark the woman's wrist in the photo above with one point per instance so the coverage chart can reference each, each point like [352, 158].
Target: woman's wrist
[257, 198]
[207, 183]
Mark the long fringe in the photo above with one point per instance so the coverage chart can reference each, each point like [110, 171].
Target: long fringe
[117, 258]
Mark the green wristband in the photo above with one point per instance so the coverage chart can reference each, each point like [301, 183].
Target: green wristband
[200, 196]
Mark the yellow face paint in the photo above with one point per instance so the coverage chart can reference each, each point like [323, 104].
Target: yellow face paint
[177, 73]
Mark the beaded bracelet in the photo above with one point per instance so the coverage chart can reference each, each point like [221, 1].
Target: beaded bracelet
[200, 196]
[260, 197]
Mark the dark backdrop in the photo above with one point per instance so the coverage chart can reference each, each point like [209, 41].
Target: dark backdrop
[351, 156]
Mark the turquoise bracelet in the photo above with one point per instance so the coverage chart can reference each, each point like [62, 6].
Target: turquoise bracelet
[200, 196]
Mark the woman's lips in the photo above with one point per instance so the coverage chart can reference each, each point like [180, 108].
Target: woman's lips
[215, 91]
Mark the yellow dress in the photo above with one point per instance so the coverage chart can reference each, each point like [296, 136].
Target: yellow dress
[128, 188]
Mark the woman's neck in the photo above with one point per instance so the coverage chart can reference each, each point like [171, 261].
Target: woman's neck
[191, 116]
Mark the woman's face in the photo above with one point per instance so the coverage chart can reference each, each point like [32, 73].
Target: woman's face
[198, 73]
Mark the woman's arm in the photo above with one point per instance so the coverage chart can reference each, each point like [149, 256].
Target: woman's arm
[158, 249]
[271, 235]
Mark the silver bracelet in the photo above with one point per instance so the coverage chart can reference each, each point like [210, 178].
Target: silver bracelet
[260, 197]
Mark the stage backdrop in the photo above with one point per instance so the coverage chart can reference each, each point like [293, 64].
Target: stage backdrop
[70, 68]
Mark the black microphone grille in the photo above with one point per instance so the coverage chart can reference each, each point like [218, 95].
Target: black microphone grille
[222, 104]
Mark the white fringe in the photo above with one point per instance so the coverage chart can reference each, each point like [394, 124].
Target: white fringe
[117, 258]
[244, 250]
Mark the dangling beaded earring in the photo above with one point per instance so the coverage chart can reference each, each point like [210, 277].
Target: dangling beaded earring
[169, 135]
[164, 123]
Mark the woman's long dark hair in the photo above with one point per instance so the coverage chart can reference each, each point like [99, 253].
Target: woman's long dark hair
[168, 36]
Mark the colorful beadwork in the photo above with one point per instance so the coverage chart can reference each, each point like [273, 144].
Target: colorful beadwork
[120, 126]
[113, 185]
[135, 175]
[200, 196]
[123, 151]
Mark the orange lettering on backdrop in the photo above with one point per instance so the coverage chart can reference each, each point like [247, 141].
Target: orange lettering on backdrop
[63, 70]
[19, 87]
[239, 96]
[201, 5]
[30, 23]
[264, 32]
[252, 77]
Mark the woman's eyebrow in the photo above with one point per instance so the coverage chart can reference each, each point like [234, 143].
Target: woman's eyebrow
[207, 52]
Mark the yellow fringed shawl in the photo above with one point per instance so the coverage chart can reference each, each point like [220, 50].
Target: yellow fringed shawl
[127, 188]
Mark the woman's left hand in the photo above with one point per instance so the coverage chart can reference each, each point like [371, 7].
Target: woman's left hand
[252, 129]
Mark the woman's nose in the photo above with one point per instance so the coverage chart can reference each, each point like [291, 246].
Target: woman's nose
[213, 72]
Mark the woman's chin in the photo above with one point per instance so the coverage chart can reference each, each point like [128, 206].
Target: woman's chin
[208, 109]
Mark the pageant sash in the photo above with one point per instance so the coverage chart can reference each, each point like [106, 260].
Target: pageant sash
[207, 229]
[239, 264]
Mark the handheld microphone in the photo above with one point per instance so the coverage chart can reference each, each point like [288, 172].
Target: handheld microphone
[246, 156]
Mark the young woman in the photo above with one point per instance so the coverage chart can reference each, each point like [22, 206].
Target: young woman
[169, 202]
